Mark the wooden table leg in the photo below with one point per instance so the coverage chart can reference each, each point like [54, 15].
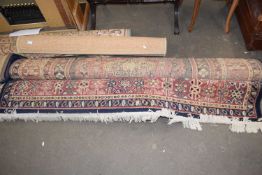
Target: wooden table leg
[176, 15]
[93, 14]
[230, 14]
[194, 16]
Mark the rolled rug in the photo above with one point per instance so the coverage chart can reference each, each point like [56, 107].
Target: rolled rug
[79, 68]
[103, 32]
[4, 59]
[93, 45]
[71, 32]
[5, 63]
[8, 44]
[188, 90]
[7, 47]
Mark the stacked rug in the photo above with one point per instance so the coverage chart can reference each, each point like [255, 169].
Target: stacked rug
[51, 87]
[8, 45]
[188, 90]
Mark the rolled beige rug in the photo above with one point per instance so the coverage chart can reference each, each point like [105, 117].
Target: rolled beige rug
[8, 44]
[72, 32]
[102, 45]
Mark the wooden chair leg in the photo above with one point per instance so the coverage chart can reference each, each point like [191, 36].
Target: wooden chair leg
[230, 14]
[176, 15]
[194, 16]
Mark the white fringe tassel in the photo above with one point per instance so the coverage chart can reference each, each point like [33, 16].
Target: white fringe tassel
[188, 122]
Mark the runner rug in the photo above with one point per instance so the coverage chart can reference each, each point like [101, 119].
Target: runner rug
[188, 90]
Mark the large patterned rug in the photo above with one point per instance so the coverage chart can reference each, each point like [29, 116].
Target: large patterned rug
[190, 91]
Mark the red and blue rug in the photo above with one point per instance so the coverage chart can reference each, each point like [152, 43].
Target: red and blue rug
[213, 89]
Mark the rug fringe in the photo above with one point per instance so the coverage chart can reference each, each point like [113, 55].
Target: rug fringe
[235, 125]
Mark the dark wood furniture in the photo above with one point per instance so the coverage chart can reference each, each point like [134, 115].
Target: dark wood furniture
[249, 15]
[228, 20]
[94, 3]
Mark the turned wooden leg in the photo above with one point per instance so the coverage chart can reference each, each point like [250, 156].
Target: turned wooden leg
[176, 15]
[230, 14]
[194, 16]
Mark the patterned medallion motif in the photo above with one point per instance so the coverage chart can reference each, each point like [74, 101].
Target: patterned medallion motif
[213, 97]
[223, 87]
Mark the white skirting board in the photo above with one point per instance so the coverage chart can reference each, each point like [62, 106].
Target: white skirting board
[235, 124]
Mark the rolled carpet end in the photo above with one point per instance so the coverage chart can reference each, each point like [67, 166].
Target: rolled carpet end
[93, 45]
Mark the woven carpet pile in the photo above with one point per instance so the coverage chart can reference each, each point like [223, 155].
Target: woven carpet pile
[188, 90]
